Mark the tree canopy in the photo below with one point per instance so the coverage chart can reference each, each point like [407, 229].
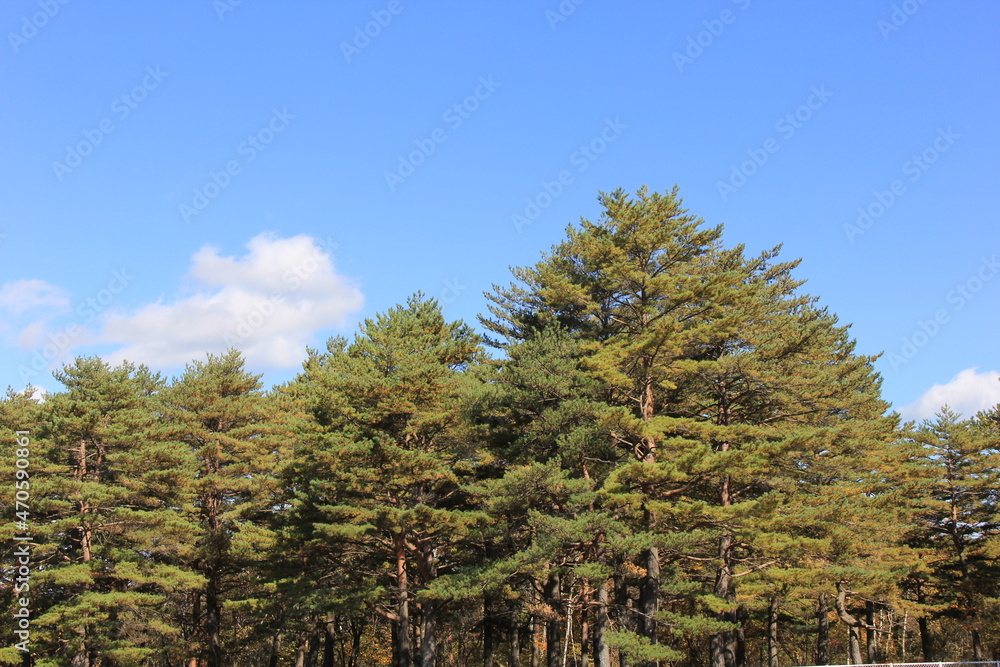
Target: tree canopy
[660, 450]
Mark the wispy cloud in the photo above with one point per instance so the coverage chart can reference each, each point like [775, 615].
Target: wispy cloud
[20, 296]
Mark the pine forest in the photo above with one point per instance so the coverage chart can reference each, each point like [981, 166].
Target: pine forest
[661, 450]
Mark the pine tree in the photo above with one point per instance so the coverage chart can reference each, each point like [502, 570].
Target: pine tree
[218, 416]
[20, 419]
[717, 376]
[625, 287]
[111, 499]
[543, 410]
[958, 520]
[381, 485]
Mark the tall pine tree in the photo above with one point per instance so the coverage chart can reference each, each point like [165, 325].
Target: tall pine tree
[718, 378]
[217, 415]
[380, 488]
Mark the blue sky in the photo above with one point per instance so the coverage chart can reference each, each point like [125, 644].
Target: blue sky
[177, 178]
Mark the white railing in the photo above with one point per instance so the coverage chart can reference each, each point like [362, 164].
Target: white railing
[981, 663]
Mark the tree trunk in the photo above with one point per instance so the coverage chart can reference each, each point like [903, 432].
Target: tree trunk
[926, 642]
[569, 634]
[722, 644]
[534, 631]
[902, 635]
[357, 629]
[772, 633]
[552, 638]
[428, 640]
[514, 660]
[822, 631]
[302, 655]
[196, 626]
[314, 644]
[81, 659]
[854, 646]
[602, 652]
[718, 646]
[977, 646]
[727, 648]
[82, 656]
[403, 653]
[739, 638]
[623, 606]
[852, 624]
[275, 649]
[489, 631]
[212, 618]
[650, 595]
[871, 639]
[329, 645]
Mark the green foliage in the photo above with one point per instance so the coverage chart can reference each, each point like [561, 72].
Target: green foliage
[676, 450]
[107, 516]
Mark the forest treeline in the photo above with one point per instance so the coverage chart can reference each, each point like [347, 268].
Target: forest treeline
[662, 452]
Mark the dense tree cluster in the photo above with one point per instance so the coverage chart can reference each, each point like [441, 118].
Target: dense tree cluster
[662, 452]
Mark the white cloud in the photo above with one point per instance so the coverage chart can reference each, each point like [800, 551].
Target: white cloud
[18, 296]
[27, 308]
[268, 303]
[33, 334]
[967, 393]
